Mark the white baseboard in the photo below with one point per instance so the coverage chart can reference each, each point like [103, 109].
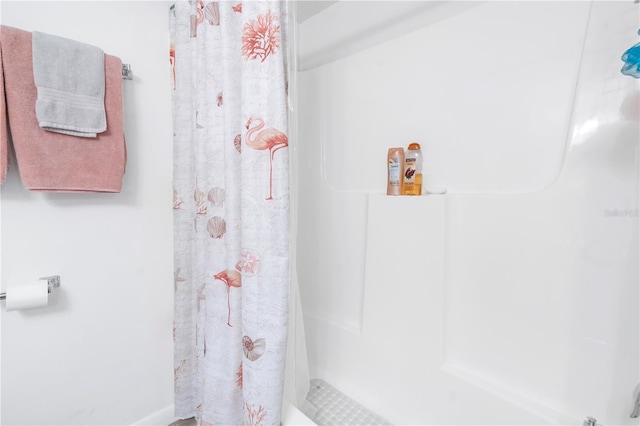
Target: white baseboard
[162, 417]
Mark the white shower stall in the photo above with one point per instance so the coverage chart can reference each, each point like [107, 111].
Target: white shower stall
[513, 298]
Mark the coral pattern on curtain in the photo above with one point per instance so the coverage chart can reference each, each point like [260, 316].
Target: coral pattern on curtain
[231, 205]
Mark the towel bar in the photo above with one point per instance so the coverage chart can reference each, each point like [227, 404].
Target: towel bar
[53, 282]
[127, 72]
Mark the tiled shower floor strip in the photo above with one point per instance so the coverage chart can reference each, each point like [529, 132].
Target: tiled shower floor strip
[337, 409]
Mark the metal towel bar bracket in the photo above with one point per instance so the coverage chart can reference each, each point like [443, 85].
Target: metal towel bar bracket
[127, 72]
[53, 282]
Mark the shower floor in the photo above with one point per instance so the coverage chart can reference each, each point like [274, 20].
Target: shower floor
[335, 408]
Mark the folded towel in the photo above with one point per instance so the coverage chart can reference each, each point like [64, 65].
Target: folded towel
[69, 76]
[4, 130]
[52, 161]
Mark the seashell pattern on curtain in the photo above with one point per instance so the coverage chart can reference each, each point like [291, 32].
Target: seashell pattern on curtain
[231, 209]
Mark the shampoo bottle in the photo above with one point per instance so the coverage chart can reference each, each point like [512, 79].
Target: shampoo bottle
[395, 166]
[413, 170]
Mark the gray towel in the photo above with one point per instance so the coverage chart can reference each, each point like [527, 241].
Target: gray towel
[69, 76]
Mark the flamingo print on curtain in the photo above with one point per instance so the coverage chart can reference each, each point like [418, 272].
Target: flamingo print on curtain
[231, 209]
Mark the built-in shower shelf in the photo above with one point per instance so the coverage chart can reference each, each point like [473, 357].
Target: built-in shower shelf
[401, 207]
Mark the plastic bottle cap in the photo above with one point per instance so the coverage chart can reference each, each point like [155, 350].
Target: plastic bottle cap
[414, 145]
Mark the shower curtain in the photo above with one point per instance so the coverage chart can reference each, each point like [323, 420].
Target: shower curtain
[231, 204]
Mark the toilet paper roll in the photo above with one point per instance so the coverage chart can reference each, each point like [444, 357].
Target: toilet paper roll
[28, 295]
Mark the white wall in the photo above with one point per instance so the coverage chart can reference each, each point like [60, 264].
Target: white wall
[514, 298]
[101, 353]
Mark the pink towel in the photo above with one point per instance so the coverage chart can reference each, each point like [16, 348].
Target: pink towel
[52, 161]
[4, 131]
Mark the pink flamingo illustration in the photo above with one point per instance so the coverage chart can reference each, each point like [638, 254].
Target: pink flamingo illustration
[232, 279]
[269, 138]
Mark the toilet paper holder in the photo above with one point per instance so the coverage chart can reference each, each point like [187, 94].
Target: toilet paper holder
[52, 282]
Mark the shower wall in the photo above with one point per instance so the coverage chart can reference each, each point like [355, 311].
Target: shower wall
[512, 299]
[101, 353]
